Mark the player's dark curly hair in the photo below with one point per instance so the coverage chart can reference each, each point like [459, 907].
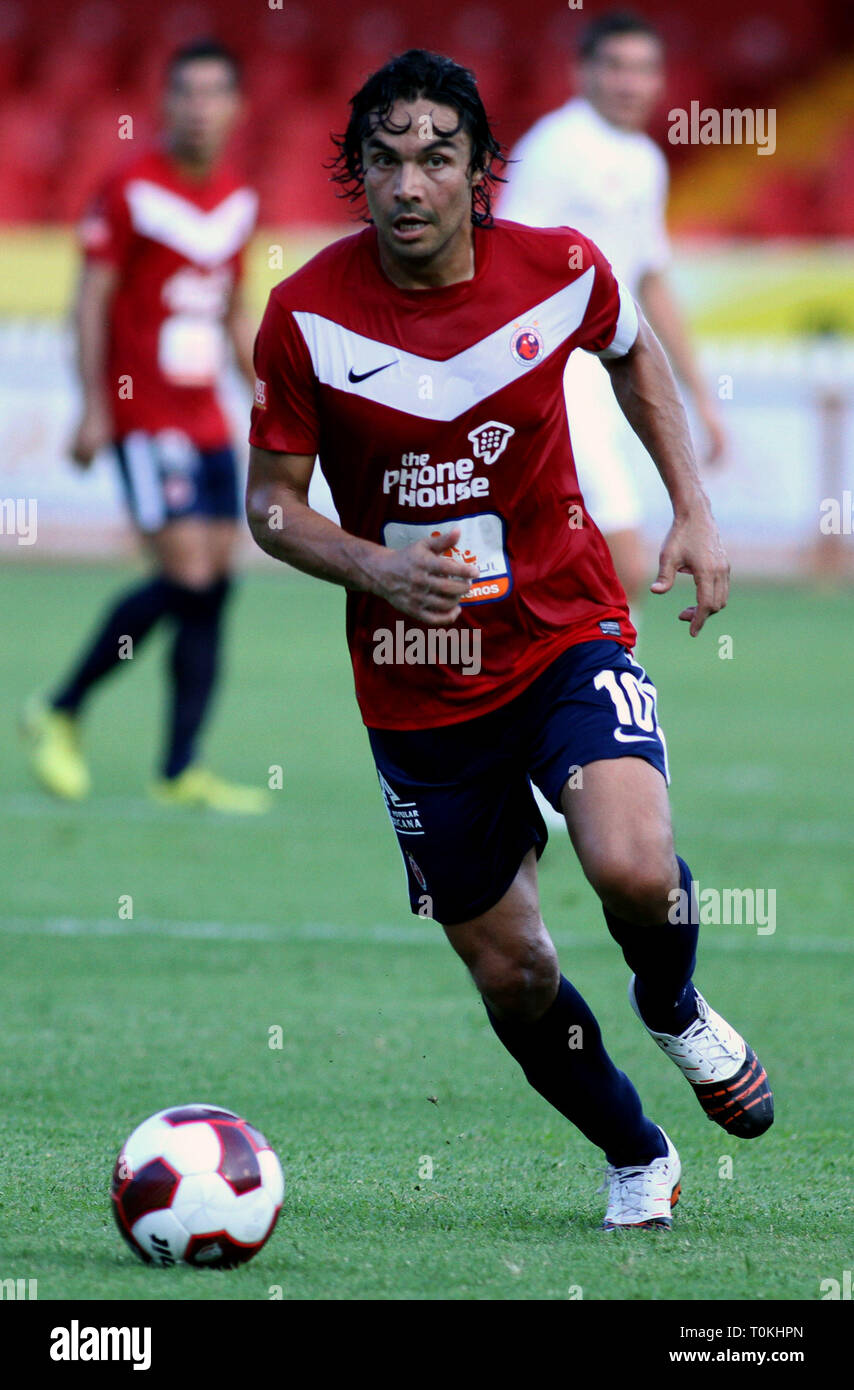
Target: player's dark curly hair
[418, 73]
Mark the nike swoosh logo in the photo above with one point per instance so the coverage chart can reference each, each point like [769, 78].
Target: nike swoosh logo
[363, 376]
[632, 738]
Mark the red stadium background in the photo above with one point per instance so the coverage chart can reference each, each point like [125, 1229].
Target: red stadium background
[67, 73]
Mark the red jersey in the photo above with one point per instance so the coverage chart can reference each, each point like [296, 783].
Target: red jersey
[177, 243]
[441, 407]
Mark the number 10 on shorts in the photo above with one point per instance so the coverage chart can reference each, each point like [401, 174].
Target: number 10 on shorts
[634, 700]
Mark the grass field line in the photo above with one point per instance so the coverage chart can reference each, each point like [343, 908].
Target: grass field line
[111, 808]
[380, 933]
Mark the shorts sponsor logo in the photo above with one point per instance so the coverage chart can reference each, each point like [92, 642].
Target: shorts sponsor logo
[527, 345]
[416, 872]
[403, 815]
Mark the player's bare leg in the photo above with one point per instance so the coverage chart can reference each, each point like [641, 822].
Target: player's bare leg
[194, 551]
[627, 552]
[545, 1024]
[619, 822]
[509, 953]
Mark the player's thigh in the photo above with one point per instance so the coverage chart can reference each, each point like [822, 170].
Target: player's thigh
[223, 540]
[618, 817]
[510, 954]
[629, 557]
[597, 752]
[461, 806]
[183, 552]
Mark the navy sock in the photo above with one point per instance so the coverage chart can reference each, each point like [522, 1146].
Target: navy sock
[133, 616]
[582, 1081]
[193, 664]
[663, 960]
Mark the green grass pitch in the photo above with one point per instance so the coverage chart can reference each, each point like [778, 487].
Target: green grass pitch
[299, 921]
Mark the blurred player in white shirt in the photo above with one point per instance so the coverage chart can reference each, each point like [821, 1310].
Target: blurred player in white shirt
[591, 165]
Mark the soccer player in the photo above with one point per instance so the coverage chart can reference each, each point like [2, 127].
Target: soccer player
[590, 164]
[422, 360]
[159, 294]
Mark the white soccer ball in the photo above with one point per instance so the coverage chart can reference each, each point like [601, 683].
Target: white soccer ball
[199, 1185]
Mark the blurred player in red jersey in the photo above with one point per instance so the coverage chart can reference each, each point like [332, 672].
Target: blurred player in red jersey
[159, 297]
[422, 359]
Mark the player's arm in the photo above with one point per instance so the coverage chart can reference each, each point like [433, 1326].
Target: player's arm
[418, 580]
[97, 286]
[646, 391]
[241, 332]
[660, 306]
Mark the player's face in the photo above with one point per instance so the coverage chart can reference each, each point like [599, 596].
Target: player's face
[417, 183]
[624, 79]
[201, 106]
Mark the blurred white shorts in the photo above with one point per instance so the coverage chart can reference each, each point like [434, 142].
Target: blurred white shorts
[607, 451]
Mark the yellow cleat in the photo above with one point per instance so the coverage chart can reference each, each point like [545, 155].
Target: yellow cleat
[56, 760]
[195, 786]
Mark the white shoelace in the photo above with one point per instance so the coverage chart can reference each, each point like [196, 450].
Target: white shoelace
[701, 1034]
[634, 1196]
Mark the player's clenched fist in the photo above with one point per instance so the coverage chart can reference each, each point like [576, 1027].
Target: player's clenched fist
[424, 582]
[93, 433]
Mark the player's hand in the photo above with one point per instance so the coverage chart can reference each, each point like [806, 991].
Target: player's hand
[693, 546]
[93, 433]
[422, 582]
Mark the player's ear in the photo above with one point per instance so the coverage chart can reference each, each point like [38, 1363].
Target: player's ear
[478, 175]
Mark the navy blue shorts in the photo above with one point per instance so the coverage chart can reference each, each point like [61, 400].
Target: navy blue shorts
[459, 797]
[166, 477]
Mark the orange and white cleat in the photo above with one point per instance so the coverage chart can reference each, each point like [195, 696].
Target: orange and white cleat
[728, 1079]
[643, 1196]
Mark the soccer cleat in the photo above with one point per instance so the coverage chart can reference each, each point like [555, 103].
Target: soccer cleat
[643, 1196]
[55, 759]
[728, 1079]
[196, 787]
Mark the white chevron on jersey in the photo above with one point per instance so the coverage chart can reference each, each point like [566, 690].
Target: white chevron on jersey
[444, 390]
[205, 238]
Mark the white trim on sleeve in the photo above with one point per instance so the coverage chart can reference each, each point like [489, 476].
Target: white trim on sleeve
[627, 327]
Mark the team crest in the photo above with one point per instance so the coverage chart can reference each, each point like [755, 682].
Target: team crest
[490, 440]
[527, 345]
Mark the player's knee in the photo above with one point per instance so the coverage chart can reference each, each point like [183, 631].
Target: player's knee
[637, 888]
[196, 577]
[518, 982]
